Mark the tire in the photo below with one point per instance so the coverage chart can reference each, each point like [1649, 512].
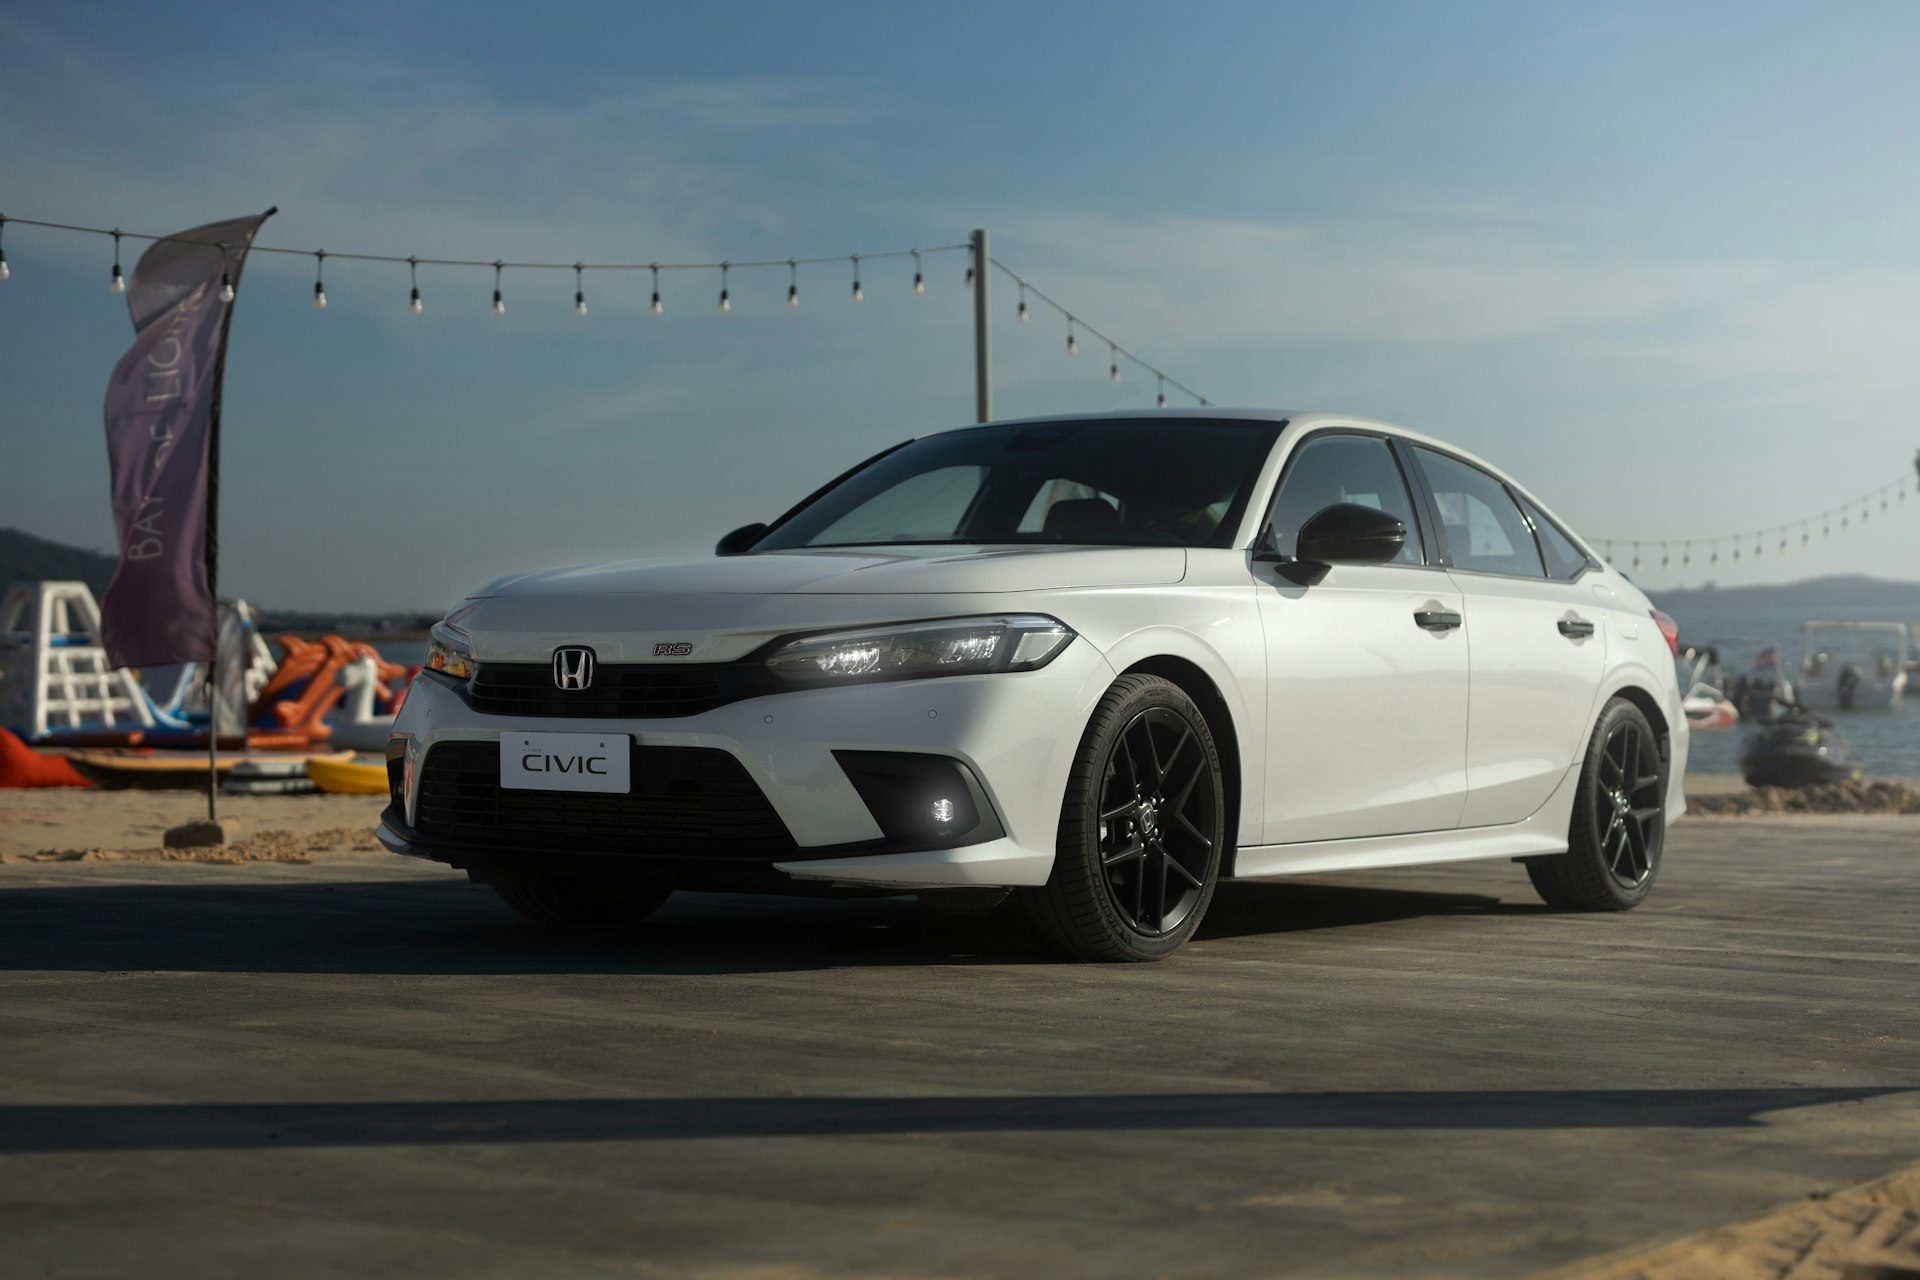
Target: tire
[569, 904]
[1619, 820]
[1142, 829]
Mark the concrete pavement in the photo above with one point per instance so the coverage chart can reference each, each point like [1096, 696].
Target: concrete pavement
[368, 1066]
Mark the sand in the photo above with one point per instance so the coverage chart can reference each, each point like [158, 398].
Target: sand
[126, 826]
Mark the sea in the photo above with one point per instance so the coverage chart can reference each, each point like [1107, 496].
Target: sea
[1887, 741]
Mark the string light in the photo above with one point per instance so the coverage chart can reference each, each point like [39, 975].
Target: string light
[976, 263]
[793, 283]
[1073, 347]
[226, 287]
[319, 289]
[1686, 555]
[1160, 401]
[1075, 324]
[726, 302]
[119, 284]
[1113, 363]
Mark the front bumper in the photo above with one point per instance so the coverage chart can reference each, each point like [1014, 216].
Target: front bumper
[1016, 732]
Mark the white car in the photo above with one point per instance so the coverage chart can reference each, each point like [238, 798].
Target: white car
[1103, 662]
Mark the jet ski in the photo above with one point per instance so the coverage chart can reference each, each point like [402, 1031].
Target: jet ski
[1798, 749]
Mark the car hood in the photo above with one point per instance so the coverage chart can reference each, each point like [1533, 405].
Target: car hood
[895, 571]
[718, 609]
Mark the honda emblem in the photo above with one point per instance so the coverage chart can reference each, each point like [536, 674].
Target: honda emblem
[572, 669]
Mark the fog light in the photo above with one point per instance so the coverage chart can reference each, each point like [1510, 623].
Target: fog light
[943, 810]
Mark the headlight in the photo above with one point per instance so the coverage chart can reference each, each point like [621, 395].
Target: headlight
[948, 647]
[448, 653]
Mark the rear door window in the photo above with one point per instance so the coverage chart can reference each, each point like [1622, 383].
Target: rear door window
[1484, 530]
[1564, 560]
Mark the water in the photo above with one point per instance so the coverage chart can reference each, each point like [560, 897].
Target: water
[1887, 741]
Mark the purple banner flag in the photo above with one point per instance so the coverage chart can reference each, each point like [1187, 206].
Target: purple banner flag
[162, 410]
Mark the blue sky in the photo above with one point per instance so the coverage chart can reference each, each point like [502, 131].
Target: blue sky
[1657, 260]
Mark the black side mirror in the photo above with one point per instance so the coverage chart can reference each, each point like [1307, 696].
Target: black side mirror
[1344, 533]
[1348, 533]
[741, 539]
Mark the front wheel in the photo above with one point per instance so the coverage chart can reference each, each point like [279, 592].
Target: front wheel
[569, 904]
[1619, 820]
[1142, 829]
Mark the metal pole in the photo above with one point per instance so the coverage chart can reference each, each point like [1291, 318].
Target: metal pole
[982, 339]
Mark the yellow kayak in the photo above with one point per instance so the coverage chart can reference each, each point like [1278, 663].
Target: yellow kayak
[345, 778]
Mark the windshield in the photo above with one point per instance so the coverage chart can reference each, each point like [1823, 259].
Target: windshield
[1146, 482]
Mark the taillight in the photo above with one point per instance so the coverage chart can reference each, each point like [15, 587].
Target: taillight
[1669, 630]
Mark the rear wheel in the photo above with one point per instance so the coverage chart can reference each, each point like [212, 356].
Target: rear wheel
[1619, 820]
[572, 905]
[1141, 830]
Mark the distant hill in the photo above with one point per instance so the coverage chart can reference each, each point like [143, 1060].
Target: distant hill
[24, 557]
[1838, 591]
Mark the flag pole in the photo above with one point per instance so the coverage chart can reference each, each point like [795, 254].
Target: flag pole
[213, 544]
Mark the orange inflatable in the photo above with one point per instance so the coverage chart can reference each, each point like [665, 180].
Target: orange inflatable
[305, 686]
[21, 767]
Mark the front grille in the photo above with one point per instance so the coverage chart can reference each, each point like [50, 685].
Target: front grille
[620, 691]
[686, 801]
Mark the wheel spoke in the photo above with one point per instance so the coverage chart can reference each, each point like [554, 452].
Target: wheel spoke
[1194, 831]
[1160, 906]
[1176, 865]
[1133, 851]
[1178, 747]
[1153, 753]
[1179, 802]
[1133, 768]
[1124, 807]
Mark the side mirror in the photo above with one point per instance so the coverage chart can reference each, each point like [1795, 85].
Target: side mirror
[1348, 533]
[739, 540]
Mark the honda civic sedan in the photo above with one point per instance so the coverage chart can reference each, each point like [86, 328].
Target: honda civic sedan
[1100, 664]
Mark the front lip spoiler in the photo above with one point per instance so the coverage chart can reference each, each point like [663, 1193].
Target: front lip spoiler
[394, 842]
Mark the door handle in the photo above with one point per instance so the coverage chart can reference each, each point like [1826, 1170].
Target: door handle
[1575, 628]
[1437, 619]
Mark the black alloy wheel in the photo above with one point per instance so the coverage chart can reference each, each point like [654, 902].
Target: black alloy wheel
[1142, 829]
[1159, 827]
[1619, 819]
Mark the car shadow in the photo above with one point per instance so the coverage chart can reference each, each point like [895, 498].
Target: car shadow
[447, 926]
[238, 1126]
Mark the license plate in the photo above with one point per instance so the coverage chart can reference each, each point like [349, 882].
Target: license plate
[566, 762]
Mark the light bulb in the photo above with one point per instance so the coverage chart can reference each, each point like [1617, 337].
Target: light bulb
[319, 296]
[655, 307]
[499, 304]
[1161, 403]
[1024, 317]
[1073, 346]
[967, 283]
[793, 295]
[726, 303]
[5, 270]
[414, 305]
[919, 284]
[1113, 371]
[579, 304]
[858, 295]
[226, 287]
[119, 284]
